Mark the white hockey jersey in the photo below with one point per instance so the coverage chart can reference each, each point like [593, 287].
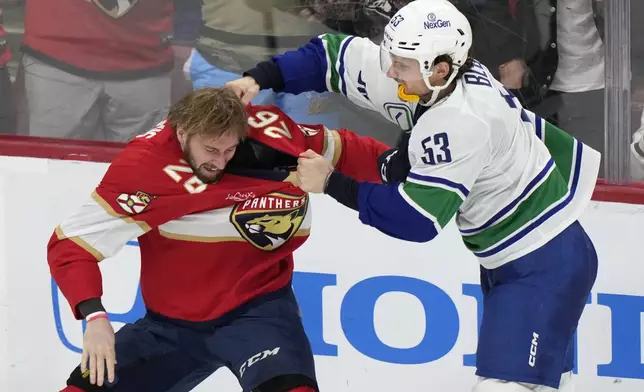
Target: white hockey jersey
[512, 180]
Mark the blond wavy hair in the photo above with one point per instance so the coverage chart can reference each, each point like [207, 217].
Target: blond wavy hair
[210, 112]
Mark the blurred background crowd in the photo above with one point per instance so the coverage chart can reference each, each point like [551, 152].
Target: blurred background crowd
[109, 69]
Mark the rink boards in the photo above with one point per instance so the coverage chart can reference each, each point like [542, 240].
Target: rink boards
[382, 315]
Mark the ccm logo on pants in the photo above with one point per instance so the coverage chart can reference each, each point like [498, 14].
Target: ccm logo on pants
[533, 349]
[256, 358]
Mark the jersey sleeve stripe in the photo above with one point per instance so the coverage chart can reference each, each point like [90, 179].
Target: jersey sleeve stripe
[415, 205]
[332, 148]
[345, 45]
[80, 242]
[440, 203]
[539, 179]
[329, 64]
[332, 46]
[390, 210]
[541, 218]
[337, 143]
[561, 147]
[539, 127]
[99, 229]
[537, 122]
[110, 211]
[459, 189]
[198, 238]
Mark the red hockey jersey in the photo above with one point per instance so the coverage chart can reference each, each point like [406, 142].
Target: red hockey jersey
[101, 38]
[205, 249]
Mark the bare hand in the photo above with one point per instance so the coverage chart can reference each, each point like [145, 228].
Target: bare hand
[246, 88]
[98, 348]
[181, 78]
[312, 171]
[512, 74]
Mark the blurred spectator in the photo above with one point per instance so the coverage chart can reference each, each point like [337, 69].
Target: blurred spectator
[364, 18]
[187, 23]
[12, 21]
[576, 98]
[7, 107]
[637, 153]
[238, 34]
[97, 69]
[550, 54]
[506, 37]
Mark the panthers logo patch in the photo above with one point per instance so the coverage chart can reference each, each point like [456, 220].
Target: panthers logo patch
[268, 222]
[115, 8]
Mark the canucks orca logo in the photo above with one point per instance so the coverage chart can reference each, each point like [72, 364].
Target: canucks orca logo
[401, 114]
[268, 222]
[115, 8]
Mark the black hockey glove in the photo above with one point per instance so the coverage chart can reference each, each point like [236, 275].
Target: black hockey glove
[394, 164]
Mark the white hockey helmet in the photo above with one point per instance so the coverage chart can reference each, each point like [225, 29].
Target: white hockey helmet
[423, 30]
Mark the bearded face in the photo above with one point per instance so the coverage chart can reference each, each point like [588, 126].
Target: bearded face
[208, 157]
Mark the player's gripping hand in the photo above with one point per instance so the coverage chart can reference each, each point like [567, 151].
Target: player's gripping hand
[98, 350]
[246, 88]
[313, 170]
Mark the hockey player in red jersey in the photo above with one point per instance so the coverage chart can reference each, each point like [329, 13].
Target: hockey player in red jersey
[209, 193]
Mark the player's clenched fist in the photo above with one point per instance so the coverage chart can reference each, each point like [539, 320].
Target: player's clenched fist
[246, 88]
[313, 171]
[98, 350]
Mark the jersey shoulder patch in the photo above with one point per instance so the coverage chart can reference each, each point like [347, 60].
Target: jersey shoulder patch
[401, 114]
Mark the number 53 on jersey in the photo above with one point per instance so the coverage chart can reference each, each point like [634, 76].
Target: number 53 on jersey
[436, 149]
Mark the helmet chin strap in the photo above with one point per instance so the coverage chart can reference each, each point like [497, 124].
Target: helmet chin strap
[436, 90]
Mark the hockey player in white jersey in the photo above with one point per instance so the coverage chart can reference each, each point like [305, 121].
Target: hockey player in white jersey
[515, 184]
